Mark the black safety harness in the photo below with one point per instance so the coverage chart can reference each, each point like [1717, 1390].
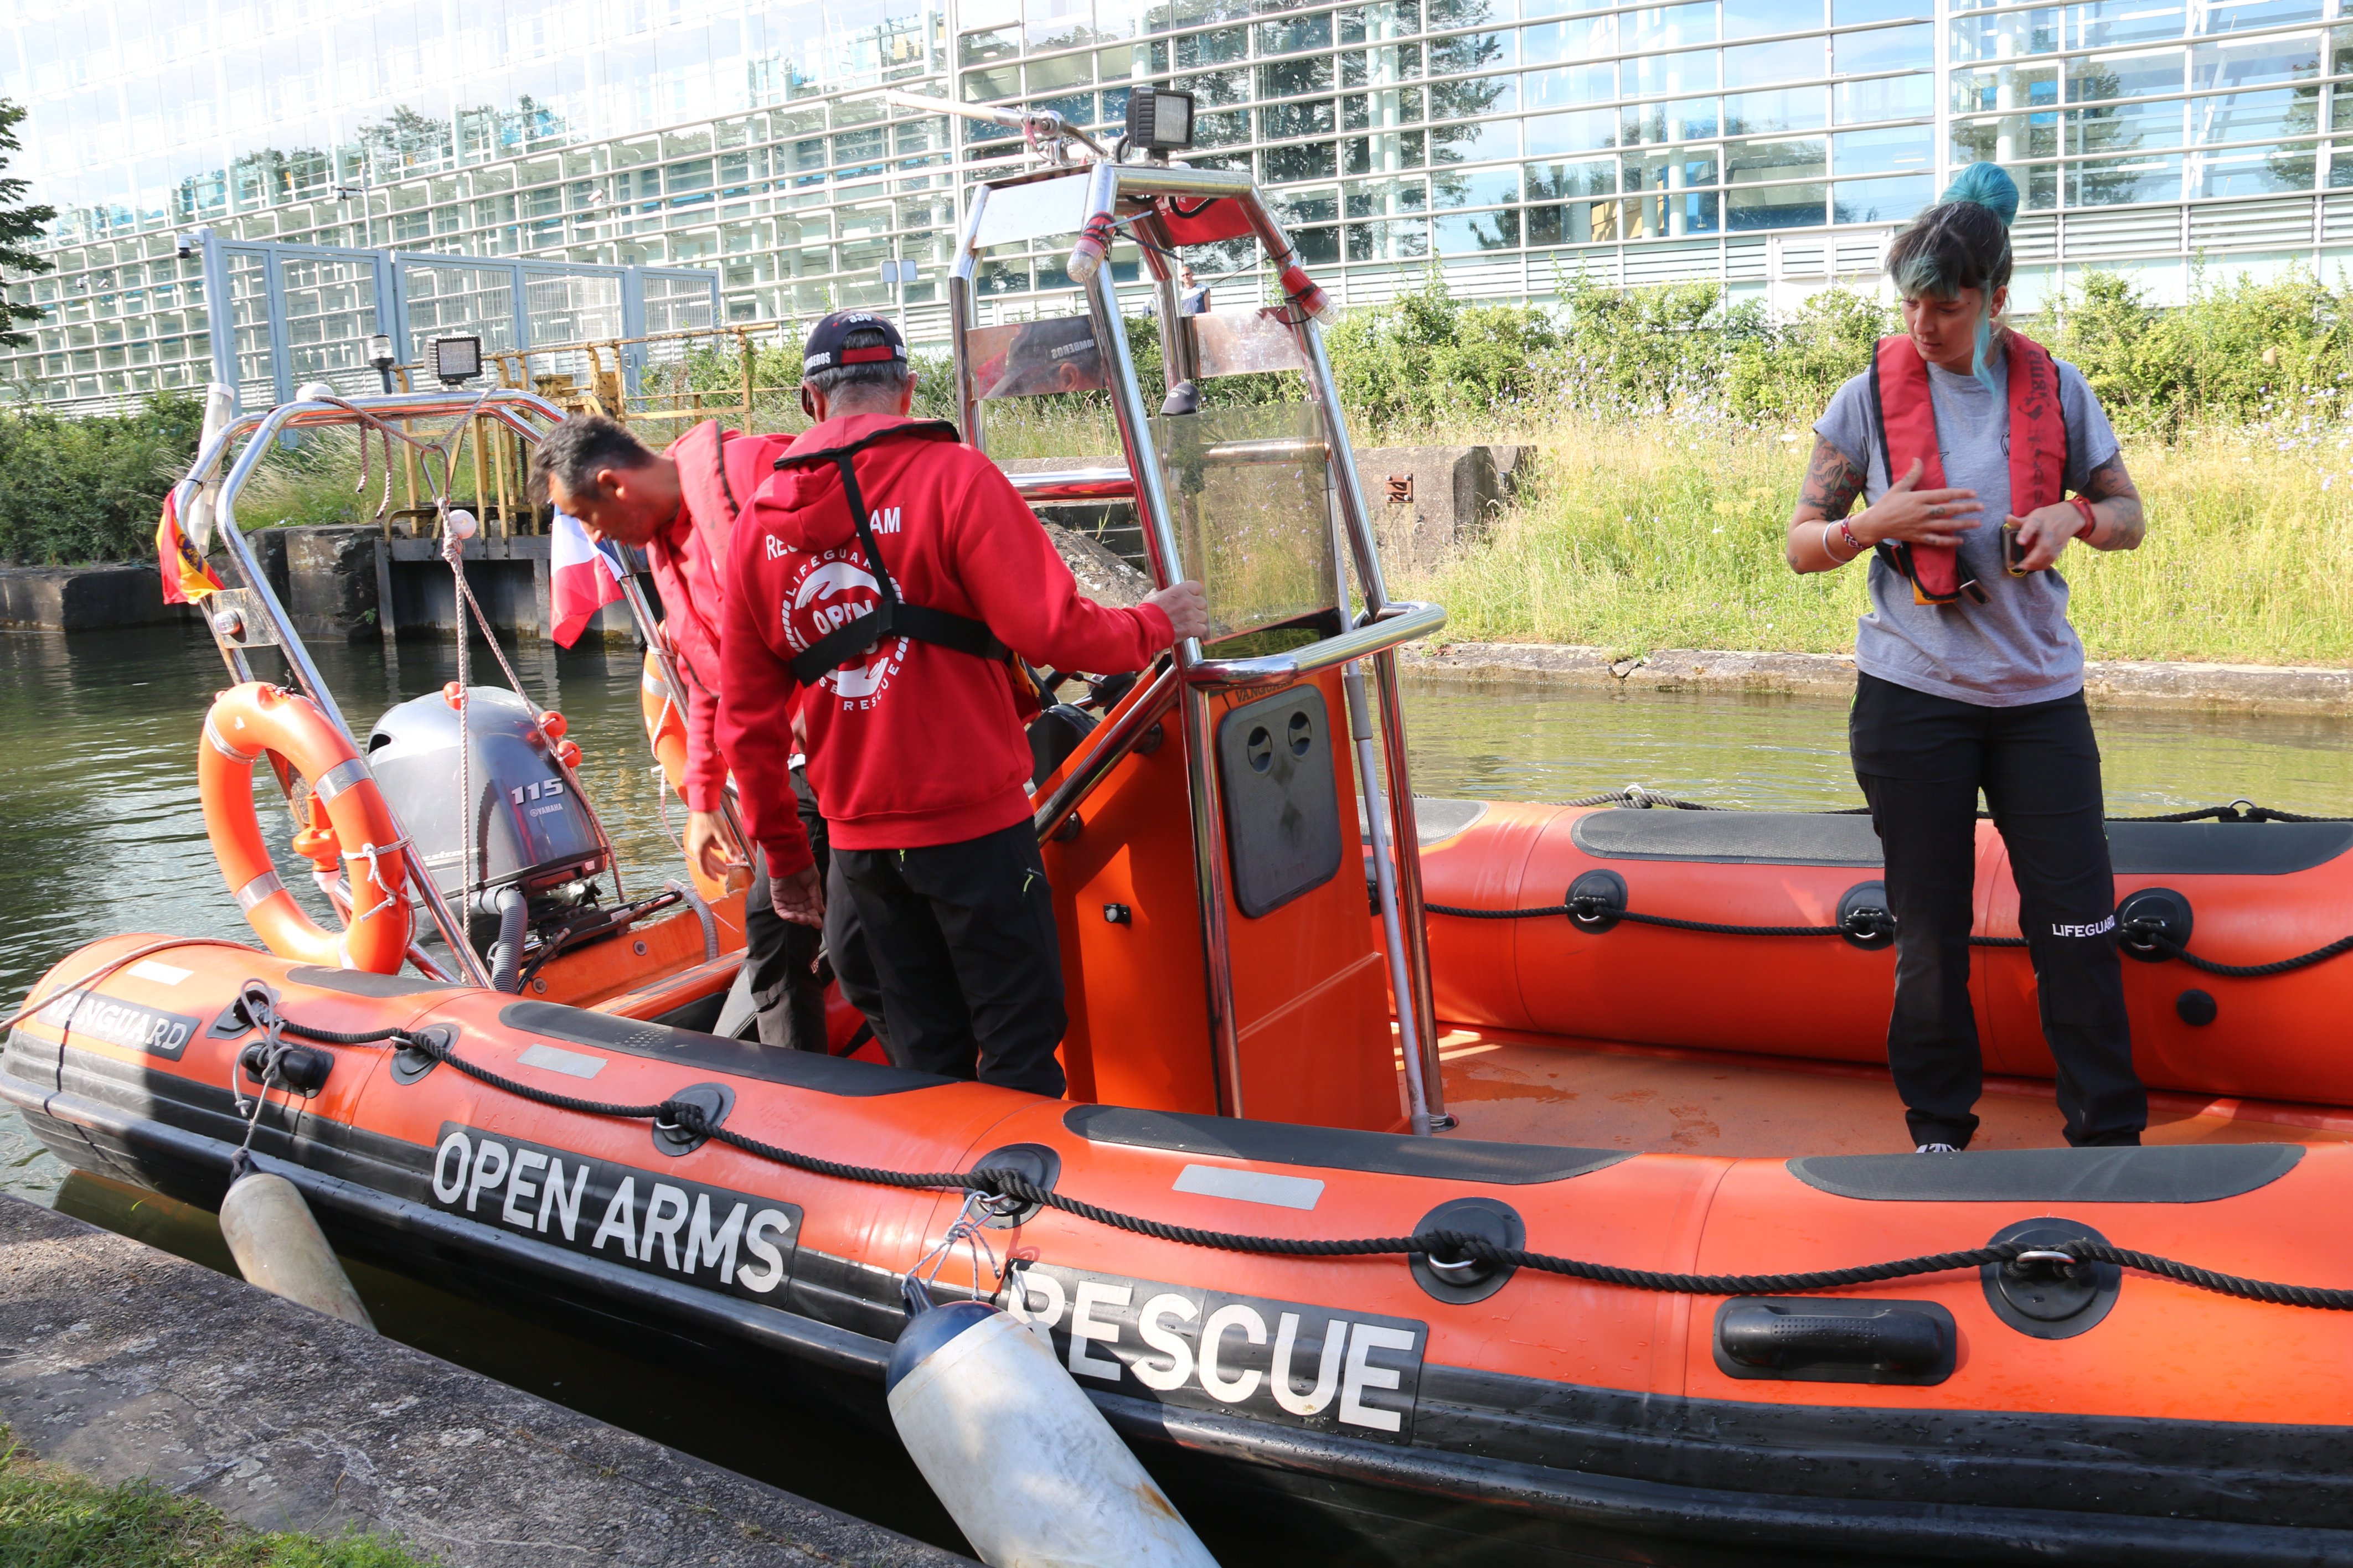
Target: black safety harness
[894, 616]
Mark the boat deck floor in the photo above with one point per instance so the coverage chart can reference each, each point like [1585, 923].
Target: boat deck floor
[1530, 1090]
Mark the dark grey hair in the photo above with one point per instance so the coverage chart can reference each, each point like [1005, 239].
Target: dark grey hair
[883, 375]
[577, 451]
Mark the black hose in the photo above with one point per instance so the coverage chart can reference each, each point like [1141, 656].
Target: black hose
[1450, 1246]
[506, 954]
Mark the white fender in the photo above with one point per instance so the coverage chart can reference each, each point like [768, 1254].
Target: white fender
[280, 1246]
[1031, 1472]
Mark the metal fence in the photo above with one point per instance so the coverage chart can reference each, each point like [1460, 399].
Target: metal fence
[300, 313]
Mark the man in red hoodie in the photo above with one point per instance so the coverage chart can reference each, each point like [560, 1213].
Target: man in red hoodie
[680, 506]
[884, 580]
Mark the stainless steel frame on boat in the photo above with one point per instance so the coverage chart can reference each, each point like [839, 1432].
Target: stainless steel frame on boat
[1058, 201]
[251, 616]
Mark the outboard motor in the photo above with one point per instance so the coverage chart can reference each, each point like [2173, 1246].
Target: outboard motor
[536, 846]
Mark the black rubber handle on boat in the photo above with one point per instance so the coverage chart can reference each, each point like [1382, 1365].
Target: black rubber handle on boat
[1449, 1245]
[1894, 1339]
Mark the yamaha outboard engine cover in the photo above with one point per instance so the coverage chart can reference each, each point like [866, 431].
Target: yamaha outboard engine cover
[529, 831]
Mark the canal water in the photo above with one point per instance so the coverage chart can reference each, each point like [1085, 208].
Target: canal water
[98, 805]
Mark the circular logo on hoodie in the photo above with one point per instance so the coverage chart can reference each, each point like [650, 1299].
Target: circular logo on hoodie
[826, 592]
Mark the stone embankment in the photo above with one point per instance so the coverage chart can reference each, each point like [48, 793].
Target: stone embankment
[2245, 688]
[121, 1360]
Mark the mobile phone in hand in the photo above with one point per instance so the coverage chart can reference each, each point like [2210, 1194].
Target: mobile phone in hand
[2013, 554]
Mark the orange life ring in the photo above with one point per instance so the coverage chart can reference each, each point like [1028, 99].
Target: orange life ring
[346, 809]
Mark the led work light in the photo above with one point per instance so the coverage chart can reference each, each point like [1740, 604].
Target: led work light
[1159, 121]
[455, 360]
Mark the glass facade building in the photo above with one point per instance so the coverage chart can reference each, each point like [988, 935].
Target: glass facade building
[1769, 144]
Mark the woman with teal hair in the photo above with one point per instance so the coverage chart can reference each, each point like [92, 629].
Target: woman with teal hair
[1980, 458]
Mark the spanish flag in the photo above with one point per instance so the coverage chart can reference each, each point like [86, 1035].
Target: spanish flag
[186, 578]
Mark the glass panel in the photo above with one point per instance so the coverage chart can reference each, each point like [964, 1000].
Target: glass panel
[1470, 233]
[1794, 109]
[1550, 135]
[2008, 36]
[1654, 75]
[2005, 88]
[1854, 13]
[2107, 182]
[2255, 116]
[2131, 75]
[2123, 127]
[1773, 206]
[1579, 40]
[1908, 151]
[1478, 188]
[1406, 240]
[1551, 182]
[1755, 19]
[1753, 65]
[1881, 201]
[2104, 24]
[1667, 216]
[1886, 98]
[1247, 488]
[2255, 170]
[2234, 64]
[2250, 13]
[1571, 84]
[1757, 161]
[1883, 50]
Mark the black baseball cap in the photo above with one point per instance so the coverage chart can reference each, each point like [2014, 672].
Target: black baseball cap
[824, 352]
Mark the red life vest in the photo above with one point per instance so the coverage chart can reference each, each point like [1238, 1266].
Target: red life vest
[1907, 430]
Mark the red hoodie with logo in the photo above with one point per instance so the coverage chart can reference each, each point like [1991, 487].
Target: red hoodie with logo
[915, 744]
[718, 471]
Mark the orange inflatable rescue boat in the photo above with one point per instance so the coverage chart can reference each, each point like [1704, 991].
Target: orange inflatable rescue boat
[1457, 1181]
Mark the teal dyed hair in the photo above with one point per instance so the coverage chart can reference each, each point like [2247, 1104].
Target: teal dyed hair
[1962, 242]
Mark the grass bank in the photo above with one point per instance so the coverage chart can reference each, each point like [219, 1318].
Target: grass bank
[1666, 532]
[51, 1517]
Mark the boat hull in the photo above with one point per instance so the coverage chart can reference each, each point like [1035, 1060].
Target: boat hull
[2257, 892]
[1551, 1417]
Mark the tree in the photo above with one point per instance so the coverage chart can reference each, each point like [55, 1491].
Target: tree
[20, 226]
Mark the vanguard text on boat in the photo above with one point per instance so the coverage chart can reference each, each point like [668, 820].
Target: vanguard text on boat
[1589, 1351]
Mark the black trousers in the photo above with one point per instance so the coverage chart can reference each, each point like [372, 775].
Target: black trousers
[964, 944]
[1921, 761]
[788, 994]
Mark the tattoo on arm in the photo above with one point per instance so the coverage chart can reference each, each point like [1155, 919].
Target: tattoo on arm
[1831, 484]
[2112, 490]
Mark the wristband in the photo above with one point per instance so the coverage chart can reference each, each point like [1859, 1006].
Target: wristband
[1848, 534]
[2091, 520]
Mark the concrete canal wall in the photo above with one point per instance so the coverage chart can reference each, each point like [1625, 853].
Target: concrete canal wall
[2239, 688]
[123, 1361]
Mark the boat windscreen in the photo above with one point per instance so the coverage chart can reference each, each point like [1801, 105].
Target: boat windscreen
[1249, 489]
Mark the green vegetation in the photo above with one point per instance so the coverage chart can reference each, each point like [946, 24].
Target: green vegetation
[1670, 428]
[52, 1517]
[1672, 433]
[91, 490]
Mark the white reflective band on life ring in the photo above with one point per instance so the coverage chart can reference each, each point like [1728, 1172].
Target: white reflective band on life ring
[340, 777]
[262, 887]
[213, 739]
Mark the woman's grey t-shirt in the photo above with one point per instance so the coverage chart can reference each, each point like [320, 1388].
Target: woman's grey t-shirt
[2017, 647]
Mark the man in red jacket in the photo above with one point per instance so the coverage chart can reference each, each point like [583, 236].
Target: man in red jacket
[884, 581]
[680, 506]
